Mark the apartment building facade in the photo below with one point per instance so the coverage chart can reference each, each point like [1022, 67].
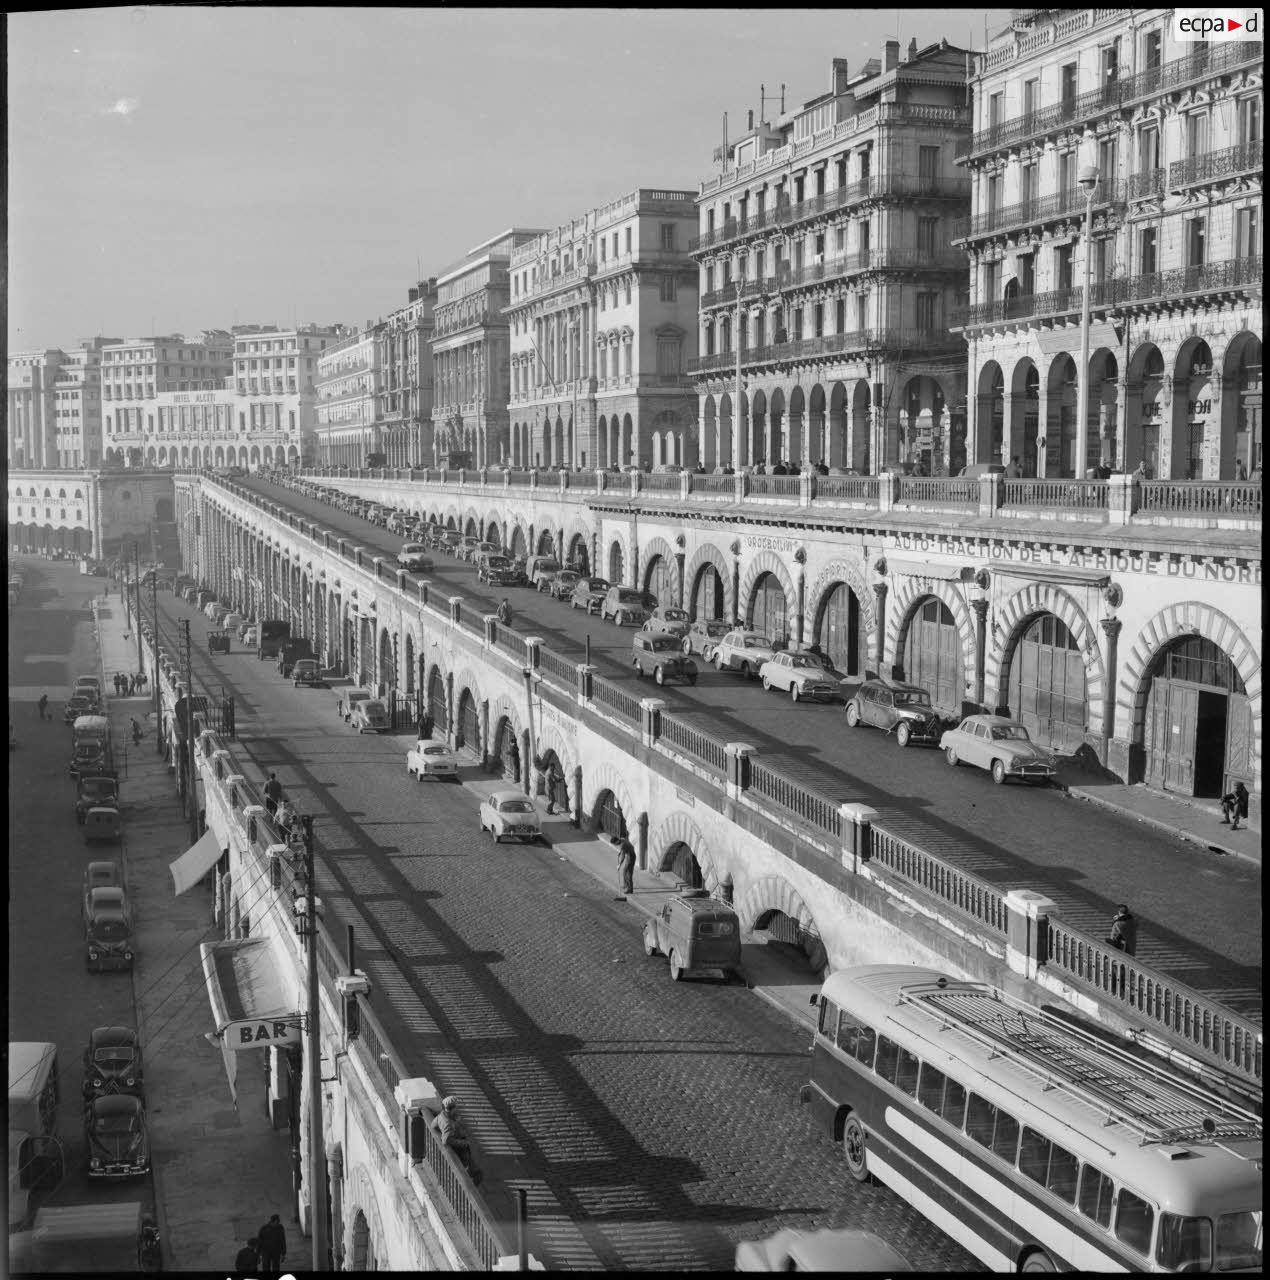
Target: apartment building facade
[603, 318]
[347, 381]
[54, 407]
[1172, 131]
[825, 262]
[471, 353]
[404, 398]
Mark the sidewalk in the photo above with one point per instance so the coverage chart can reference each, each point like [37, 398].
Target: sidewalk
[218, 1172]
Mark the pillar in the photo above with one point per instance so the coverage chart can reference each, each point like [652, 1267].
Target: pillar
[879, 630]
[981, 641]
[1110, 629]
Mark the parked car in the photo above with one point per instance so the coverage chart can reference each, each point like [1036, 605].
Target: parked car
[107, 929]
[743, 651]
[661, 655]
[843, 1249]
[94, 790]
[999, 745]
[80, 704]
[307, 671]
[563, 583]
[414, 556]
[906, 708]
[397, 521]
[349, 699]
[797, 675]
[697, 933]
[702, 635]
[89, 755]
[466, 547]
[243, 628]
[538, 568]
[101, 875]
[431, 760]
[232, 621]
[116, 1135]
[370, 716]
[251, 636]
[588, 594]
[510, 813]
[498, 571]
[482, 551]
[218, 641]
[623, 605]
[669, 620]
[112, 1063]
[90, 685]
[488, 566]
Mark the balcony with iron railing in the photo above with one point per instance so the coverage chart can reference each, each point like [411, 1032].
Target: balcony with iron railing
[1212, 166]
[1206, 61]
[1067, 203]
[880, 341]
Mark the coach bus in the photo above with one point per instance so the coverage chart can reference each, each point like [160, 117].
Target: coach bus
[35, 1155]
[1036, 1144]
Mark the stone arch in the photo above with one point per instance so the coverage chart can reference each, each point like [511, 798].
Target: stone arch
[1185, 618]
[1030, 600]
[366, 1243]
[601, 778]
[844, 571]
[708, 554]
[775, 893]
[679, 828]
[648, 553]
[769, 562]
[619, 542]
[908, 592]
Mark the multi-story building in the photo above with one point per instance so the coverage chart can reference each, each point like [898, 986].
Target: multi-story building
[347, 379]
[403, 410]
[825, 262]
[274, 372]
[77, 406]
[470, 352]
[134, 371]
[1167, 137]
[603, 320]
[54, 406]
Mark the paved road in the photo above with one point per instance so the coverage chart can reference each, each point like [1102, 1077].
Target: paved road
[654, 1124]
[52, 996]
[1201, 915]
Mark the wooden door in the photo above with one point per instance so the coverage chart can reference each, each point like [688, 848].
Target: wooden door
[1172, 715]
[1239, 742]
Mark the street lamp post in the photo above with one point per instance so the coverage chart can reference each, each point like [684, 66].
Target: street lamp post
[736, 341]
[576, 352]
[1089, 184]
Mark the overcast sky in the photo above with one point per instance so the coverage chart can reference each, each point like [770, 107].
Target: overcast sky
[174, 169]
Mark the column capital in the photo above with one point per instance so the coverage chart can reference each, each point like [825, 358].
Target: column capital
[1111, 627]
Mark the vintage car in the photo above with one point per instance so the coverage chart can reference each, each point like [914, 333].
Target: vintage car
[666, 618]
[349, 699]
[102, 822]
[511, 814]
[89, 685]
[112, 1063]
[999, 745]
[743, 651]
[830, 1249]
[562, 583]
[414, 557]
[702, 635]
[370, 716]
[431, 760]
[218, 641]
[115, 1132]
[251, 636]
[232, 621]
[588, 594]
[80, 704]
[94, 790]
[90, 755]
[625, 604]
[499, 571]
[539, 569]
[697, 933]
[307, 671]
[906, 708]
[101, 875]
[466, 547]
[659, 654]
[245, 628]
[107, 929]
[799, 676]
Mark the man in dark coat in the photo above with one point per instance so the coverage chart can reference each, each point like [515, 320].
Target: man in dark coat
[1124, 931]
[272, 1241]
[1234, 805]
[273, 793]
[626, 865]
[247, 1259]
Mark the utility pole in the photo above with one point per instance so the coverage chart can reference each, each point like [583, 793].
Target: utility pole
[154, 653]
[188, 763]
[317, 1153]
[136, 568]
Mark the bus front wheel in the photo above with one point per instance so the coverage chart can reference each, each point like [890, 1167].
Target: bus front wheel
[853, 1138]
[1038, 1260]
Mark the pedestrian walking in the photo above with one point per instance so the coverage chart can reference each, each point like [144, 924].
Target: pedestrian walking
[116, 683]
[132, 685]
[43, 705]
[1234, 805]
[141, 681]
[1241, 471]
[248, 1258]
[1124, 931]
[273, 793]
[271, 1240]
[1014, 471]
[554, 779]
[454, 1136]
[625, 865]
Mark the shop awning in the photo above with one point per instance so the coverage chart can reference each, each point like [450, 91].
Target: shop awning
[1070, 575]
[929, 569]
[249, 1000]
[195, 862]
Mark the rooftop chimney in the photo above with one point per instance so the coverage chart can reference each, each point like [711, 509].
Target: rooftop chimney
[912, 50]
[412, 295]
[749, 119]
[892, 55]
[839, 76]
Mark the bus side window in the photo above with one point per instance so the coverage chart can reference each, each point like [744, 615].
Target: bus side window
[979, 1120]
[888, 1058]
[1005, 1138]
[954, 1104]
[1095, 1195]
[906, 1072]
[993, 1128]
[828, 1018]
[854, 1039]
[930, 1093]
[1134, 1220]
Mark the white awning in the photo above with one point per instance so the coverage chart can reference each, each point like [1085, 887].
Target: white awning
[195, 862]
[929, 569]
[1072, 575]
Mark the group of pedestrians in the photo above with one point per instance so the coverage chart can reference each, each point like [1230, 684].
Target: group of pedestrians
[126, 686]
[279, 808]
[265, 1251]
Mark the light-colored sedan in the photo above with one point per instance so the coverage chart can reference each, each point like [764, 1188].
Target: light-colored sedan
[431, 760]
[414, 556]
[798, 675]
[370, 716]
[999, 745]
[702, 635]
[666, 618]
[845, 1249]
[511, 814]
[743, 651]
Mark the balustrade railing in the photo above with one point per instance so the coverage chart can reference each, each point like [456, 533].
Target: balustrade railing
[1228, 162]
[561, 671]
[1200, 497]
[725, 485]
[661, 482]
[775, 486]
[1071, 495]
[938, 489]
[615, 699]
[806, 804]
[852, 488]
[703, 746]
[515, 644]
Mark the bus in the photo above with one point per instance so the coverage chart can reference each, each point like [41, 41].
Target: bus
[35, 1155]
[1034, 1142]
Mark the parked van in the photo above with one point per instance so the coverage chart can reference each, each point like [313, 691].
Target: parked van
[91, 729]
[697, 933]
[539, 567]
[35, 1155]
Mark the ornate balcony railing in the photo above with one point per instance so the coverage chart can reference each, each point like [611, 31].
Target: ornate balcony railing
[1226, 163]
[1062, 204]
[1201, 497]
[1147, 184]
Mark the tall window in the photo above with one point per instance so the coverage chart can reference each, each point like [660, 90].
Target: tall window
[1027, 183]
[1149, 149]
[1031, 96]
[668, 236]
[1108, 158]
[862, 311]
[996, 186]
[818, 320]
[926, 303]
[1067, 172]
[710, 278]
[1063, 266]
[1247, 237]
[1249, 122]
[864, 236]
[668, 288]
[1197, 133]
[1195, 240]
[927, 228]
[927, 166]
[1067, 85]
[866, 163]
[996, 109]
[1152, 50]
[1147, 260]
[1110, 57]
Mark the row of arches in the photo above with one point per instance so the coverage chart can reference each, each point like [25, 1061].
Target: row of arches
[195, 456]
[667, 436]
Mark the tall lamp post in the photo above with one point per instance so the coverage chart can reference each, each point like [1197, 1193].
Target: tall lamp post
[736, 341]
[575, 353]
[1088, 179]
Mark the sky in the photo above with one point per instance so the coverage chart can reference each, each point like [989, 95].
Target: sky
[173, 169]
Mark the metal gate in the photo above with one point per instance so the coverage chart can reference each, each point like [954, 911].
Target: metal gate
[468, 730]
